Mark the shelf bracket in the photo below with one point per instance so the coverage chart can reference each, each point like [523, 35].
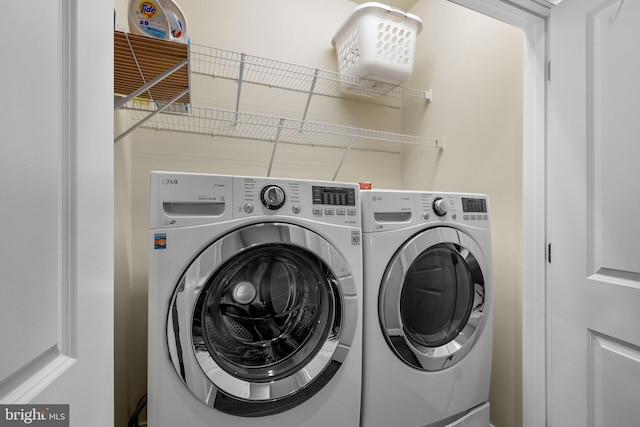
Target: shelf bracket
[243, 57]
[311, 92]
[346, 151]
[440, 143]
[158, 111]
[275, 146]
[152, 83]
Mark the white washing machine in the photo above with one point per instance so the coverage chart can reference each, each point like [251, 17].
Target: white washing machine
[255, 302]
[427, 309]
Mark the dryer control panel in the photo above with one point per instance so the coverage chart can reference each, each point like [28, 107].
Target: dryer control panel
[385, 210]
[470, 209]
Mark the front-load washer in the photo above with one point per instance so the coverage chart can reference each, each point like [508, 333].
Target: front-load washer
[255, 302]
[427, 309]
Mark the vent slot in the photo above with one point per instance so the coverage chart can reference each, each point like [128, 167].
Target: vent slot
[392, 216]
[194, 208]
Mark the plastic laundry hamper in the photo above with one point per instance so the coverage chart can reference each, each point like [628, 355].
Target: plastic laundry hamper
[376, 43]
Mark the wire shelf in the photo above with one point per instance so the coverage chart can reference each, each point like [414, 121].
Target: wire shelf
[171, 110]
[242, 67]
[208, 121]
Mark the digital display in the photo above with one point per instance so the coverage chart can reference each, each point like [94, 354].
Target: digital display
[474, 205]
[335, 196]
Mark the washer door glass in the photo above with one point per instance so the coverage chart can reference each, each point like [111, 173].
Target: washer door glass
[432, 298]
[257, 321]
[265, 313]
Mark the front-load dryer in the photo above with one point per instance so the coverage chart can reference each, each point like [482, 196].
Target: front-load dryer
[427, 309]
[255, 302]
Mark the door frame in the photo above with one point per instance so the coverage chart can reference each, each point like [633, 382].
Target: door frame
[531, 17]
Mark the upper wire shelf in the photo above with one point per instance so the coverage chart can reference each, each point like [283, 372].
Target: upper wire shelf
[243, 67]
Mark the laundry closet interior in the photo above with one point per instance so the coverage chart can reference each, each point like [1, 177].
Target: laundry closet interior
[460, 131]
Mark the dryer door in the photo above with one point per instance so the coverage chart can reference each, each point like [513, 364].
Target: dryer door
[262, 319]
[433, 298]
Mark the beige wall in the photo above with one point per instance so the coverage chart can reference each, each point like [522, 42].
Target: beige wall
[472, 63]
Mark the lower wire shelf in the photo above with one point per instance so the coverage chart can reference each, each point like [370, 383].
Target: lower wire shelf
[224, 123]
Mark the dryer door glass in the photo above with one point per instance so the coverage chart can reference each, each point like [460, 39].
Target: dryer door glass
[437, 296]
[262, 319]
[433, 298]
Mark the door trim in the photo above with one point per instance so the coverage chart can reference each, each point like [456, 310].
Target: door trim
[535, 207]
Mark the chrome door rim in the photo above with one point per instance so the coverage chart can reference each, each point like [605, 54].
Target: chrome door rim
[190, 357]
[443, 356]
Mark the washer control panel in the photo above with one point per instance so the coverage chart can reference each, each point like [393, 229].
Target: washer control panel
[330, 202]
[185, 199]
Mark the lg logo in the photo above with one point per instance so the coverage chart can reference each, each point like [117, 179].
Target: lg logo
[168, 181]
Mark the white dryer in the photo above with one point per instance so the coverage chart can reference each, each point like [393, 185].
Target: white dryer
[427, 309]
[255, 302]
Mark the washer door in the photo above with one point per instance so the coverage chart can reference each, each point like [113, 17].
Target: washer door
[432, 298]
[262, 319]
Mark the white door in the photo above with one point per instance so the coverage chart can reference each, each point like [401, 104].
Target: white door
[56, 212]
[594, 148]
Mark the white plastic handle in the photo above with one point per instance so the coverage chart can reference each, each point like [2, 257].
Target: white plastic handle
[398, 12]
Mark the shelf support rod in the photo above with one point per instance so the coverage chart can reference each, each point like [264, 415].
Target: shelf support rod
[135, 59]
[243, 57]
[344, 156]
[141, 121]
[275, 145]
[311, 92]
[152, 83]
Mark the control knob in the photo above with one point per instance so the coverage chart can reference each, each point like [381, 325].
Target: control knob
[272, 197]
[440, 206]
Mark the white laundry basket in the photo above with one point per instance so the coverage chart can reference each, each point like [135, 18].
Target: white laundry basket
[376, 43]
